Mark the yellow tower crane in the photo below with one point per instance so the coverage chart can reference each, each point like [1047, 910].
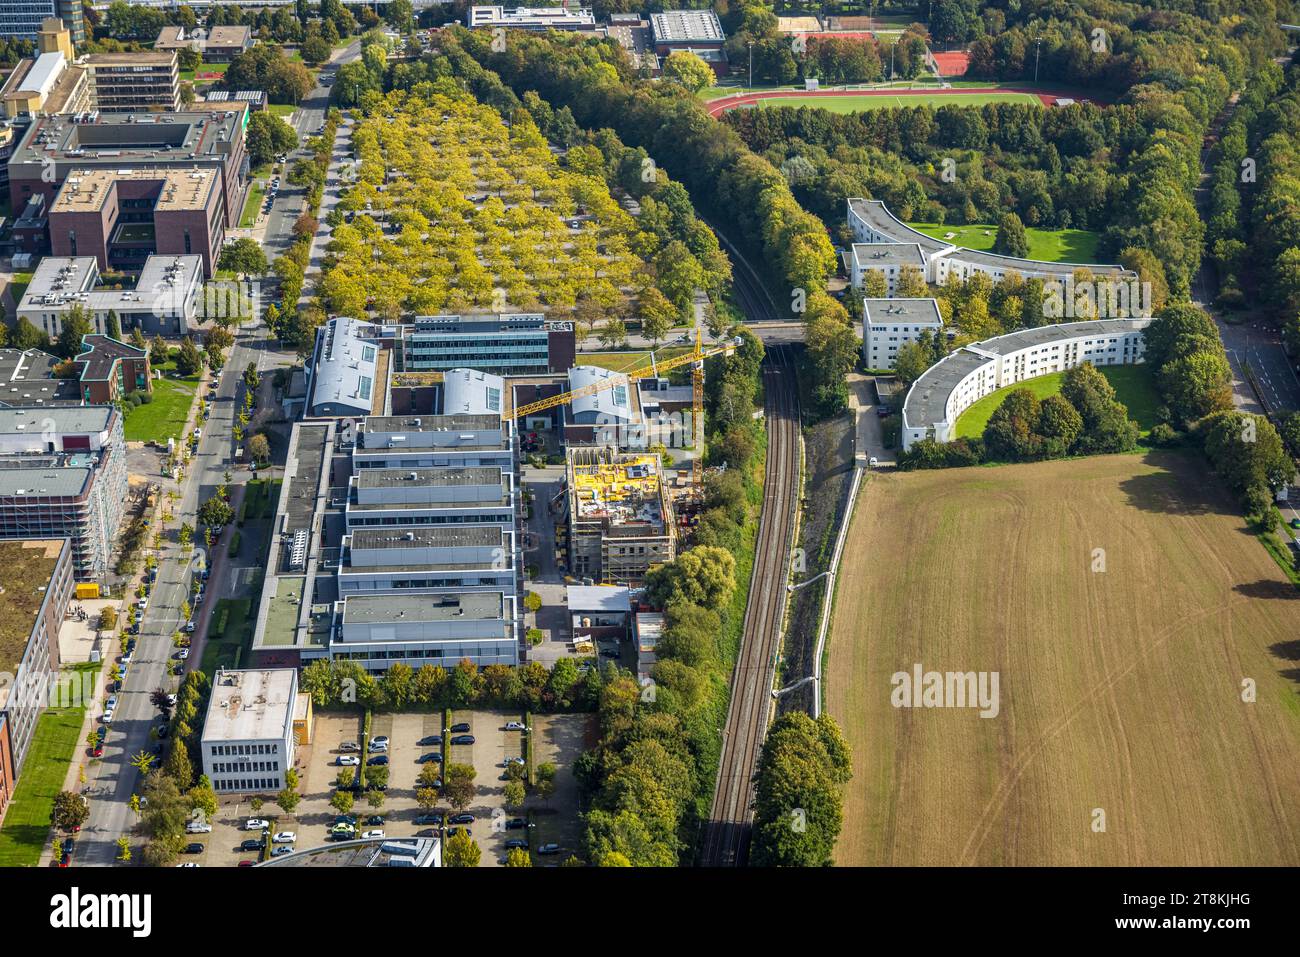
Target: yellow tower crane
[695, 357]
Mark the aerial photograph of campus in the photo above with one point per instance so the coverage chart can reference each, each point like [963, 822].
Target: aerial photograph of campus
[762, 434]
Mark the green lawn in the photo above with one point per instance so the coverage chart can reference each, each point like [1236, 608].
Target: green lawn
[626, 361]
[19, 286]
[855, 104]
[165, 415]
[226, 648]
[252, 205]
[1132, 384]
[27, 820]
[1046, 245]
[282, 109]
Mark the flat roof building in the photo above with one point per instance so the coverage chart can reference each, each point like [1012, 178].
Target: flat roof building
[513, 344]
[348, 373]
[27, 378]
[53, 147]
[620, 518]
[531, 18]
[63, 475]
[888, 324]
[219, 44]
[165, 300]
[375, 630]
[248, 740]
[888, 259]
[939, 396]
[46, 83]
[141, 81]
[35, 589]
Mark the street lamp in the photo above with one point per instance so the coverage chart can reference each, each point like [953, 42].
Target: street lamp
[1038, 44]
[750, 44]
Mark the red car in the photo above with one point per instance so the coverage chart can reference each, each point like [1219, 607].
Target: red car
[97, 751]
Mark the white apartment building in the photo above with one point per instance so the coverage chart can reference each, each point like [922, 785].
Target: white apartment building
[952, 385]
[248, 736]
[873, 224]
[888, 259]
[889, 323]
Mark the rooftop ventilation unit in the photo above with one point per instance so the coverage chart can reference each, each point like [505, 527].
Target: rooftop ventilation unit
[298, 549]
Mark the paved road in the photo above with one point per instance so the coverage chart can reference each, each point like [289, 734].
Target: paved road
[113, 780]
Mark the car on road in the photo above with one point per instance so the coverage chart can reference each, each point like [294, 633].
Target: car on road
[515, 842]
[97, 751]
[198, 827]
[461, 726]
[111, 703]
[143, 603]
[429, 740]
[515, 726]
[107, 717]
[284, 837]
[549, 849]
[194, 848]
[256, 824]
[377, 760]
[189, 627]
[463, 739]
[347, 760]
[433, 756]
[125, 657]
[463, 818]
[251, 844]
[372, 834]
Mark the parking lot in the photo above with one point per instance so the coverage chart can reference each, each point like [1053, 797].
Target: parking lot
[560, 740]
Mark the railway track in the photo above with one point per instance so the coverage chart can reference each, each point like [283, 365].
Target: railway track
[727, 832]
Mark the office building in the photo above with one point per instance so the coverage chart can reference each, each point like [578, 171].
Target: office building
[219, 44]
[248, 740]
[165, 300]
[63, 475]
[620, 517]
[50, 82]
[28, 19]
[35, 589]
[531, 18]
[139, 82]
[27, 378]
[523, 344]
[110, 370]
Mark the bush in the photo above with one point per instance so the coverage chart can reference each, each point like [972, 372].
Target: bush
[145, 397]
[1165, 436]
[232, 549]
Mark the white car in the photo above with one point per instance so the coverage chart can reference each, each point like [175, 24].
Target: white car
[183, 654]
[379, 741]
[189, 628]
[171, 700]
[380, 748]
[108, 716]
[111, 703]
[515, 726]
[372, 835]
[256, 824]
[189, 864]
[198, 827]
[143, 603]
[284, 837]
[349, 760]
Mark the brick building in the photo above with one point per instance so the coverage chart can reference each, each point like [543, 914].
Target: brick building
[110, 369]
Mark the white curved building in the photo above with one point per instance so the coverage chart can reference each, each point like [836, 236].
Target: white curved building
[949, 387]
[873, 224]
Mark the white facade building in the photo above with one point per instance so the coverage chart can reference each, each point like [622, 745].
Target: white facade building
[248, 740]
[872, 223]
[888, 259]
[952, 385]
[889, 323]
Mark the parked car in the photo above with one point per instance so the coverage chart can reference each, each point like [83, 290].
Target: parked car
[107, 716]
[453, 831]
[381, 748]
[338, 829]
[375, 820]
[378, 759]
[372, 835]
[349, 746]
[284, 837]
[111, 703]
[463, 818]
[433, 756]
[379, 741]
[510, 761]
[347, 760]
[194, 847]
[256, 824]
[171, 700]
[429, 740]
[189, 628]
[182, 654]
[345, 819]
[461, 726]
[549, 849]
[198, 827]
[516, 842]
[281, 850]
[515, 823]
[463, 739]
[515, 726]
[97, 751]
[251, 844]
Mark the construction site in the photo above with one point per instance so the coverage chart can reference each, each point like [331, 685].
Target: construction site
[620, 516]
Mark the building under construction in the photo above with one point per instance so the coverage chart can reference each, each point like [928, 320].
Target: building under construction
[620, 518]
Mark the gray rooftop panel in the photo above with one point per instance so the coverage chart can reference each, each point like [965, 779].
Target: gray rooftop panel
[381, 609]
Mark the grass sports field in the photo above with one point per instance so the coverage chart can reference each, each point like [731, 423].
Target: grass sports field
[1132, 384]
[855, 104]
[1119, 689]
[1046, 245]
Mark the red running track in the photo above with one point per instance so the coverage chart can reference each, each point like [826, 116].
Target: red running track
[718, 107]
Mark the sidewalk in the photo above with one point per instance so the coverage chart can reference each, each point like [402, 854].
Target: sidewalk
[220, 563]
